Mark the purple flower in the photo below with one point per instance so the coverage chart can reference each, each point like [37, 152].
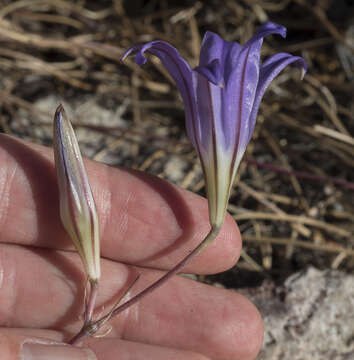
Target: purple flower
[221, 98]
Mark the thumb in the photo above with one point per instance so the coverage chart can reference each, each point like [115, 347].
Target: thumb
[18, 344]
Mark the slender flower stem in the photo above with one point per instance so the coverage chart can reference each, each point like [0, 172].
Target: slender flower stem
[90, 306]
[92, 328]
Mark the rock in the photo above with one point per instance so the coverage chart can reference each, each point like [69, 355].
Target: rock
[175, 169]
[85, 110]
[310, 317]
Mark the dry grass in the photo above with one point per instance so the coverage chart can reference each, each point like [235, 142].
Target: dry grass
[294, 198]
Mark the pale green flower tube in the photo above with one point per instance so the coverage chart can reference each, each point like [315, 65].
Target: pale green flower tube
[77, 206]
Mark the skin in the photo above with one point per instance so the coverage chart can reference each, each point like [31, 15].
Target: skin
[147, 225]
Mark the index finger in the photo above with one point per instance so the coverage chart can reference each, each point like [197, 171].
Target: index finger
[144, 220]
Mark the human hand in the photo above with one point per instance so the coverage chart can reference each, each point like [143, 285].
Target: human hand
[147, 225]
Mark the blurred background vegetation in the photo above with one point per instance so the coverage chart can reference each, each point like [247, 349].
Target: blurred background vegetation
[293, 197]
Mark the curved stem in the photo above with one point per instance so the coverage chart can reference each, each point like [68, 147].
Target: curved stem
[89, 329]
[301, 174]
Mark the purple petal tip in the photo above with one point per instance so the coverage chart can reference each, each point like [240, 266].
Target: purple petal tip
[277, 29]
[59, 112]
[138, 51]
[212, 72]
[302, 66]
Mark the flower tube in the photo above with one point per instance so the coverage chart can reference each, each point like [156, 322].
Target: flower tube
[77, 206]
[221, 98]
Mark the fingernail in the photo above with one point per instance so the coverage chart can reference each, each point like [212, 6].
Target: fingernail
[32, 351]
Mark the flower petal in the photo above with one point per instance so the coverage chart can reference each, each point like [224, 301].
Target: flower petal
[240, 94]
[212, 71]
[212, 48]
[209, 105]
[216, 162]
[242, 82]
[215, 48]
[180, 71]
[268, 28]
[269, 70]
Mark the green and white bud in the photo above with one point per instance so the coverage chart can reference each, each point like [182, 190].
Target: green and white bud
[77, 206]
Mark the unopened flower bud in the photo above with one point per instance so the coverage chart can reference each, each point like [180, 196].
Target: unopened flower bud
[77, 206]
